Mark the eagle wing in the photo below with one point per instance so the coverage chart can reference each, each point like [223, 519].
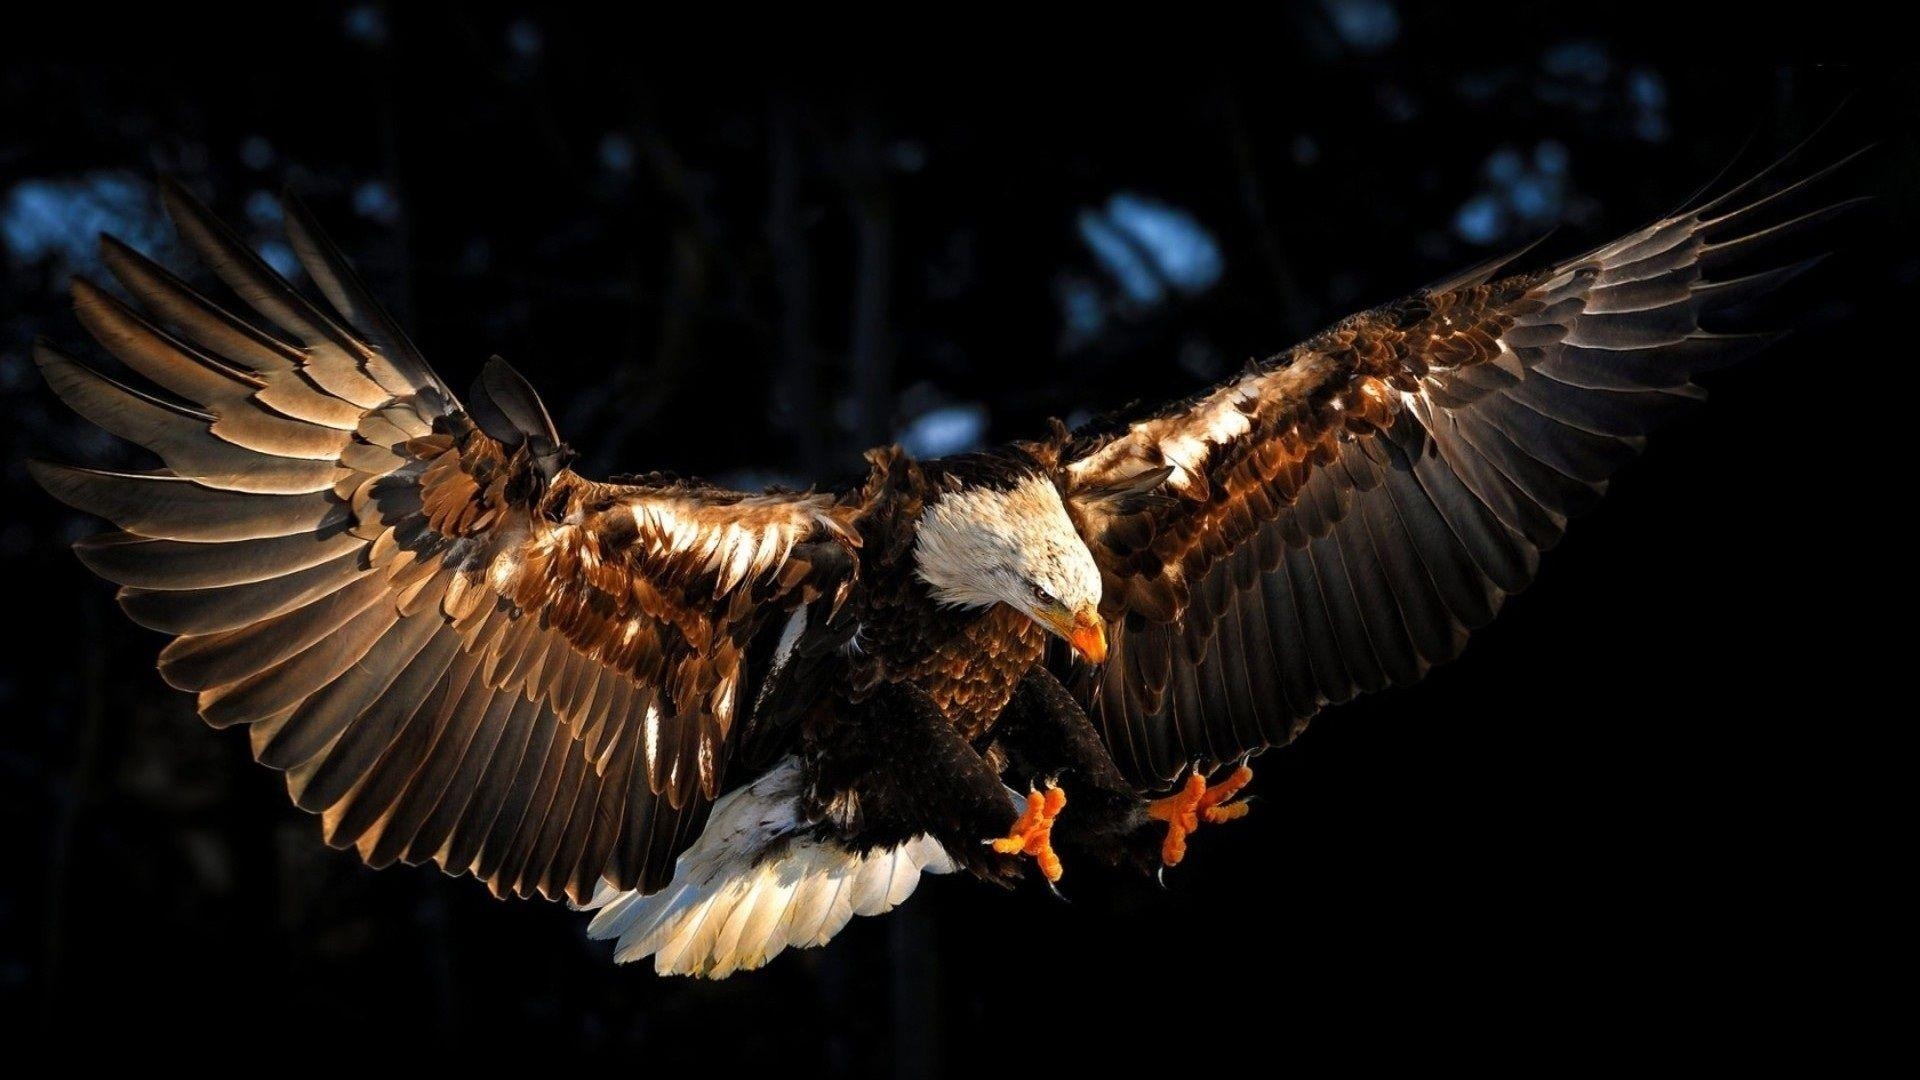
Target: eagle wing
[456, 649]
[1336, 519]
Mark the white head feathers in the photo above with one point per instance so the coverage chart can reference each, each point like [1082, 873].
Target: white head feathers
[978, 546]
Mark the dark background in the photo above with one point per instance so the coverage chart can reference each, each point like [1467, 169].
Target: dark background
[1635, 822]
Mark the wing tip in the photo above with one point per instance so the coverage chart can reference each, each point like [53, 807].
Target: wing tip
[1485, 269]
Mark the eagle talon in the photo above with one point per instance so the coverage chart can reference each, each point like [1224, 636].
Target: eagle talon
[1195, 802]
[1033, 833]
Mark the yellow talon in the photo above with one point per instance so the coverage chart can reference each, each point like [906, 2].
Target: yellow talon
[1033, 833]
[1184, 810]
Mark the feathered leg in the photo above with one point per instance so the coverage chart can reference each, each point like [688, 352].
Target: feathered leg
[891, 767]
[1047, 739]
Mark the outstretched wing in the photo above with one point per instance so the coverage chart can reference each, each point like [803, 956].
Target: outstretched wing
[1337, 518]
[458, 650]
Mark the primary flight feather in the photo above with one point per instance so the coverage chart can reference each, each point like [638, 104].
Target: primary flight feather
[730, 722]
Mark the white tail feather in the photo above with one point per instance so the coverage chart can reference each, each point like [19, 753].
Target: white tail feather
[756, 883]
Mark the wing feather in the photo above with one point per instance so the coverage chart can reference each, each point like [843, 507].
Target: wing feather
[230, 607]
[447, 640]
[126, 559]
[1337, 519]
[449, 776]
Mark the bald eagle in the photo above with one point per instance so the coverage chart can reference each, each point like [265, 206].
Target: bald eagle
[728, 722]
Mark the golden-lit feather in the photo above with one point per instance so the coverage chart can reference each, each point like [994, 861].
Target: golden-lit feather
[447, 641]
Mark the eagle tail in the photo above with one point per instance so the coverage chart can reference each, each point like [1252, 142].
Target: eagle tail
[757, 882]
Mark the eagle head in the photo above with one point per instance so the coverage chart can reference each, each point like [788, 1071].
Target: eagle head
[1012, 543]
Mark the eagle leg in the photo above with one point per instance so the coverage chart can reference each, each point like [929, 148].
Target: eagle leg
[1195, 802]
[890, 768]
[1044, 736]
[1032, 834]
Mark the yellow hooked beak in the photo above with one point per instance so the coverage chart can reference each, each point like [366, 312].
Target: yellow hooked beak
[1085, 630]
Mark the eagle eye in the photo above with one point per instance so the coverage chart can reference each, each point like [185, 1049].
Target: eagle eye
[1042, 595]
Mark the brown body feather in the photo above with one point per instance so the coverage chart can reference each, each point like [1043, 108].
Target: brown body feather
[967, 661]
